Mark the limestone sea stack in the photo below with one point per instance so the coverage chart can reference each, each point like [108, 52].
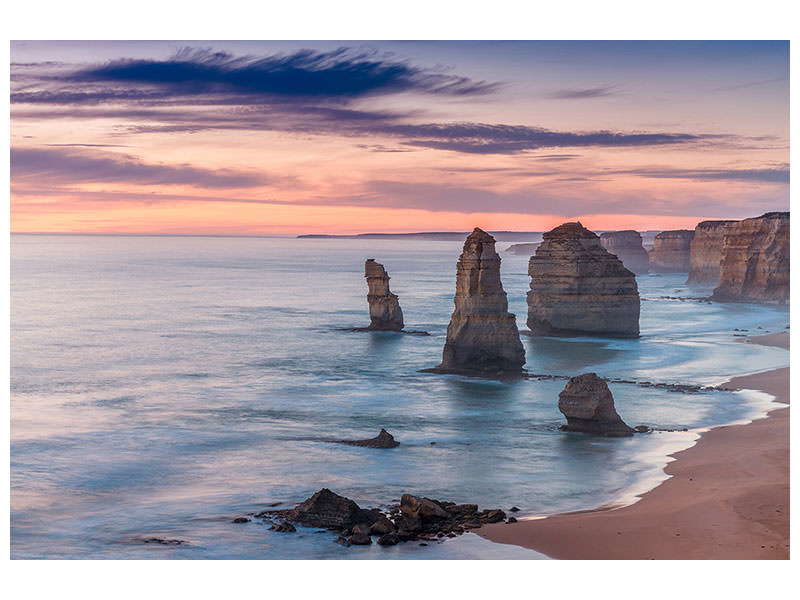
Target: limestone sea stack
[588, 405]
[705, 252]
[482, 335]
[384, 308]
[627, 246]
[579, 288]
[755, 261]
[671, 251]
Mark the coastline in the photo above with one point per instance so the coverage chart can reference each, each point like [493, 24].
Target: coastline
[727, 497]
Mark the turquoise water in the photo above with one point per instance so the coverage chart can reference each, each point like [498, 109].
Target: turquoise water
[161, 386]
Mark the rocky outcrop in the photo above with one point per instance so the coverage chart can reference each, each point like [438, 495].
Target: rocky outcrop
[383, 440]
[482, 336]
[705, 252]
[579, 288]
[384, 309]
[522, 249]
[671, 251]
[755, 261]
[588, 405]
[627, 246]
[415, 518]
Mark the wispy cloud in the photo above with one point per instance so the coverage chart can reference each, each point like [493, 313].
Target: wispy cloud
[771, 175]
[749, 84]
[483, 138]
[73, 166]
[585, 93]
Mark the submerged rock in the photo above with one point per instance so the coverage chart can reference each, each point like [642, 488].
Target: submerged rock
[383, 440]
[627, 246]
[384, 308]
[482, 335]
[588, 405]
[579, 288]
[755, 261]
[705, 252]
[671, 251]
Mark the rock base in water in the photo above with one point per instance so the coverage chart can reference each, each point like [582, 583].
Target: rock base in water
[588, 405]
[384, 308]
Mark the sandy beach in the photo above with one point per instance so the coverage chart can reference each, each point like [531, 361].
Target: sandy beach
[727, 497]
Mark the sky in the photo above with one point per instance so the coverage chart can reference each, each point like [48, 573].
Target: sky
[250, 138]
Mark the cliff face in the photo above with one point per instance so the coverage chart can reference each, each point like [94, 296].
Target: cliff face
[482, 335]
[705, 252]
[588, 405]
[627, 246]
[671, 251]
[384, 308]
[578, 288]
[755, 261]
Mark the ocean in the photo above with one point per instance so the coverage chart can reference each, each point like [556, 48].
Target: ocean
[162, 386]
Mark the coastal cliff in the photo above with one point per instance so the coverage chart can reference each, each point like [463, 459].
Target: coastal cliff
[671, 251]
[482, 335]
[384, 308]
[705, 252]
[579, 288]
[627, 246]
[755, 261]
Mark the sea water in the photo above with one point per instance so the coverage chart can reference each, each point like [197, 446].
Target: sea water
[162, 386]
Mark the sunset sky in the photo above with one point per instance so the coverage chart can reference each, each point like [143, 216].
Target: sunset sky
[348, 137]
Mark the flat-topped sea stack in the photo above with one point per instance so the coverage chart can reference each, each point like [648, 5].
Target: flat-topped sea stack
[588, 405]
[384, 308]
[579, 288]
[627, 246]
[482, 336]
[705, 252]
[671, 251]
[755, 261]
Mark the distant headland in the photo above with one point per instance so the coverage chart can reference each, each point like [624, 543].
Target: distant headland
[454, 236]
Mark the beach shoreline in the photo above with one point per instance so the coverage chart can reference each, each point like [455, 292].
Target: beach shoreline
[727, 497]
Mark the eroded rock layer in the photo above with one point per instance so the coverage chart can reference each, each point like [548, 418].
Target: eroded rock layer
[579, 288]
[482, 335]
[384, 308]
[627, 246]
[755, 261]
[671, 251]
[588, 405]
[705, 252]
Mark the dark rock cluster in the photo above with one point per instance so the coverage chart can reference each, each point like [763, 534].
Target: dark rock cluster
[414, 518]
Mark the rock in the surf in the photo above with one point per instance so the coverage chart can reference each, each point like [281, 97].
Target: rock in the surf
[588, 405]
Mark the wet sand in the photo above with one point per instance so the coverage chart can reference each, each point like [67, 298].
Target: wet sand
[780, 339]
[727, 498]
